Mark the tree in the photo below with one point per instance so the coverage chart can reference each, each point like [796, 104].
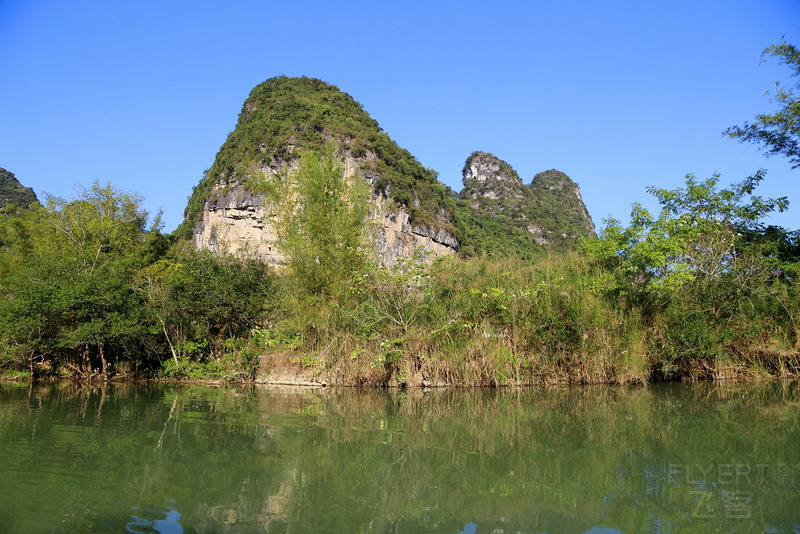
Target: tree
[199, 299]
[322, 227]
[777, 133]
[701, 233]
[72, 298]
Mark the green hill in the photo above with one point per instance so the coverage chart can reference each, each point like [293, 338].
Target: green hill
[495, 214]
[501, 216]
[13, 192]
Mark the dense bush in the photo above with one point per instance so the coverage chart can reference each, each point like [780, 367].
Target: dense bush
[89, 288]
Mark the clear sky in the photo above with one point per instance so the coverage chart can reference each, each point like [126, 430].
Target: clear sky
[619, 94]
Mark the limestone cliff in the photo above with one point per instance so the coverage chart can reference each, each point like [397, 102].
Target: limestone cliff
[236, 219]
[491, 184]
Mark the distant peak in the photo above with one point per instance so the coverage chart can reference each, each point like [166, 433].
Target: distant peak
[552, 179]
[486, 167]
[13, 192]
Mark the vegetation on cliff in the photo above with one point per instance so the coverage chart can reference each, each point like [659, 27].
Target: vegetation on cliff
[499, 216]
[321, 226]
[556, 205]
[285, 117]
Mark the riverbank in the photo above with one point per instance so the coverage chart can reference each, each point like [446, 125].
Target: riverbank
[288, 369]
[453, 322]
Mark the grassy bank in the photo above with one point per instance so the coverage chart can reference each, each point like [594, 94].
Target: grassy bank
[490, 322]
[511, 322]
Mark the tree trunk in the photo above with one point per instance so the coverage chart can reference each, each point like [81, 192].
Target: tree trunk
[171, 348]
[86, 365]
[100, 349]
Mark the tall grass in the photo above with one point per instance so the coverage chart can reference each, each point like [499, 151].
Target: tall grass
[514, 322]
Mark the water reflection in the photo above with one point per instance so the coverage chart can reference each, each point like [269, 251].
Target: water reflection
[667, 458]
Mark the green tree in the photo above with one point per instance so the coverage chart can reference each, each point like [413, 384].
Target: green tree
[71, 300]
[322, 227]
[700, 274]
[779, 132]
[701, 232]
[21, 231]
[198, 299]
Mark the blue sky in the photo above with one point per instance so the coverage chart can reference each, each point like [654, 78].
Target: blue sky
[619, 95]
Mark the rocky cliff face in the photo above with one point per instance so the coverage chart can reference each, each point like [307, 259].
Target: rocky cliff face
[491, 185]
[234, 219]
[486, 177]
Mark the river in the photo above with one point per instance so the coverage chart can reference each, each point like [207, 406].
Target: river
[601, 460]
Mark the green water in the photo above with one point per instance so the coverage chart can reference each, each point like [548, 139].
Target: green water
[667, 458]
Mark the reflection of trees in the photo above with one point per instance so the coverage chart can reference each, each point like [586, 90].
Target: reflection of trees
[356, 460]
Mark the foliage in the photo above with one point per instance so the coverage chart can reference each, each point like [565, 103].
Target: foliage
[555, 205]
[71, 297]
[322, 225]
[236, 363]
[702, 274]
[495, 236]
[14, 193]
[777, 133]
[197, 299]
[22, 231]
[698, 234]
[704, 290]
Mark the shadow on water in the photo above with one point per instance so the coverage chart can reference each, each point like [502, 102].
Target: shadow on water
[602, 460]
